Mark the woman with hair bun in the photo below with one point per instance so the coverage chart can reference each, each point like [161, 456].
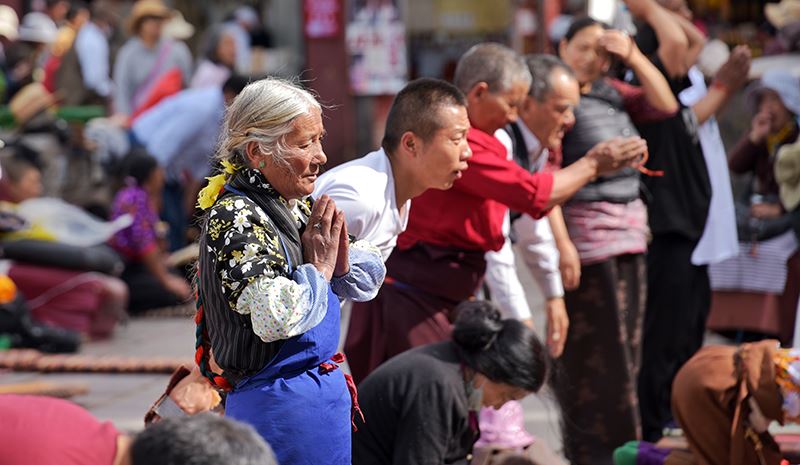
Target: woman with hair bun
[422, 406]
[152, 283]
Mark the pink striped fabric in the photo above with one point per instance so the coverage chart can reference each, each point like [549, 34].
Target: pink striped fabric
[601, 230]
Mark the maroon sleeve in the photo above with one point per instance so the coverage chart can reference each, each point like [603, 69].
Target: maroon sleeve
[501, 180]
[743, 156]
[636, 105]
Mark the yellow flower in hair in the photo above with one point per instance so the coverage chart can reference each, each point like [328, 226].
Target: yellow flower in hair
[228, 167]
[208, 195]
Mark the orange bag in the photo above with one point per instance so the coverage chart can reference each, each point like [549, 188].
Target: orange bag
[169, 84]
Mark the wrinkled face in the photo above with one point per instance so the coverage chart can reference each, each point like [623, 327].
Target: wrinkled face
[304, 159]
[226, 50]
[584, 54]
[551, 118]
[495, 394]
[490, 111]
[770, 103]
[442, 158]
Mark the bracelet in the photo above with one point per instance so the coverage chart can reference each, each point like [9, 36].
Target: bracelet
[717, 84]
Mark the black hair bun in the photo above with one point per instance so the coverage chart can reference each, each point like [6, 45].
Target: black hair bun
[477, 325]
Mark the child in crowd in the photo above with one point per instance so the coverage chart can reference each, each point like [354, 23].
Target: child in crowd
[22, 177]
[146, 270]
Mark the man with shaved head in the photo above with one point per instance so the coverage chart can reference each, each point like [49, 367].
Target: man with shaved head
[439, 260]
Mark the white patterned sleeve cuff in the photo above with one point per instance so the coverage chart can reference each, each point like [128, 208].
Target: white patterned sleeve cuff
[281, 308]
[365, 278]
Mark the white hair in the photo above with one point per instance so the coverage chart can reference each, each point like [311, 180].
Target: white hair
[264, 112]
[495, 64]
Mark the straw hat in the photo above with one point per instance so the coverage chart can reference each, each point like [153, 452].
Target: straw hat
[37, 27]
[783, 13]
[9, 22]
[147, 9]
[787, 175]
[178, 28]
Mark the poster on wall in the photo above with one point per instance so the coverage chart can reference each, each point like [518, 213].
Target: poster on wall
[322, 19]
[376, 45]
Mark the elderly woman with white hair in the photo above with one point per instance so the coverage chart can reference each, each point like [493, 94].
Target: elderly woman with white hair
[272, 268]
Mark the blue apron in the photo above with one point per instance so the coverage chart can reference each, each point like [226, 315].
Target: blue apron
[302, 412]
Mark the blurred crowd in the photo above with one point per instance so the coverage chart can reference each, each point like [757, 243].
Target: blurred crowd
[108, 111]
[70, 48]
[115, 124]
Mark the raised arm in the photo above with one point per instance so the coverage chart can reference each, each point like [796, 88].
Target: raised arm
[742, 158]
[654, 84]
[696, 40]
[605, 157]
[506, 182]
[730, 78]
[673, 44]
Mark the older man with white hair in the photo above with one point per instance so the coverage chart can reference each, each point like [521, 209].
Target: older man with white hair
[534, 142]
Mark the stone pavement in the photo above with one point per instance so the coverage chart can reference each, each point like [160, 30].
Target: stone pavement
[124, 398]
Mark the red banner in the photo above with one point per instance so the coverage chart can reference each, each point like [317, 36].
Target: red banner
[322, 18]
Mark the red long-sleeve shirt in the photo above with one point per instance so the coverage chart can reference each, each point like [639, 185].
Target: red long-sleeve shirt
[469, 216]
